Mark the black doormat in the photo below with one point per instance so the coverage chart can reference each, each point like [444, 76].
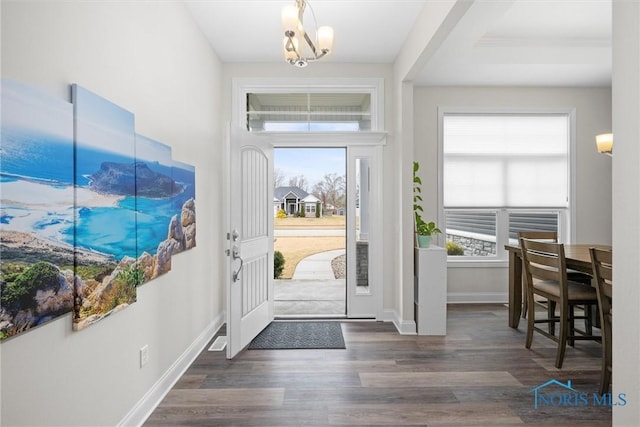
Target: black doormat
[299, 335]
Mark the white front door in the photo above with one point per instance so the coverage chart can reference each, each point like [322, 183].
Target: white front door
[250, 285]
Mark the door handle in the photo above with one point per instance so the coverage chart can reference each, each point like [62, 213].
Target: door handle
[235, 253]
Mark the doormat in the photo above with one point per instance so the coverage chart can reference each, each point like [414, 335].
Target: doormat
[299, 335]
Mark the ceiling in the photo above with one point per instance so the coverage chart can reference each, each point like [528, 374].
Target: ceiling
[495, 42]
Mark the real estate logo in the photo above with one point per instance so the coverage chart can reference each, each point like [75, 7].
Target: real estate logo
[556, 393]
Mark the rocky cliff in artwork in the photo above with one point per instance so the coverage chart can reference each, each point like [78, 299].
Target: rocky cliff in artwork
[32, 297]
[42, 291]
[131, 272]
[133, 179]
[180, 237]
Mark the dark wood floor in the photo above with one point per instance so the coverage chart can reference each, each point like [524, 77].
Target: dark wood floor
[480, 374]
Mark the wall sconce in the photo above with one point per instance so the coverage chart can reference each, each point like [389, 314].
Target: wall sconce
[604, 143]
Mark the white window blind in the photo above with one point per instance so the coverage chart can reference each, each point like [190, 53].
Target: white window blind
[506, 161]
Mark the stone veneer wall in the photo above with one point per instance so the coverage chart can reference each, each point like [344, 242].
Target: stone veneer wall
[472, 246]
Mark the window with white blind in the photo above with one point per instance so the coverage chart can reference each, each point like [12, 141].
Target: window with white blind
[503, 173]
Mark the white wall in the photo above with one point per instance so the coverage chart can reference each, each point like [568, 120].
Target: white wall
[626, 209]
[593, 170]
[149, 58]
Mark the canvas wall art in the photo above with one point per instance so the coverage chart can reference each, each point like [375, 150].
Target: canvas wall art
[89, 210]
[164, 191]
[107, 222]
[36, 209]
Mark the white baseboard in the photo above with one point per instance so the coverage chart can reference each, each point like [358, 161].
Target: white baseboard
[404, 327]
[477, 297]
[143, 409]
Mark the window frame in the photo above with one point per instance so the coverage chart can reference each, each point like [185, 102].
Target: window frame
[373, 86]
[566, 217]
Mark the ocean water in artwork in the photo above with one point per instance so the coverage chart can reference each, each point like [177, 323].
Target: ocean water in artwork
[32, 167]
[111, 229]
[36, 208]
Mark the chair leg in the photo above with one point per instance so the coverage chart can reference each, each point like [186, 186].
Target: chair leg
[605, 379]
[551, 314]
[588, 321]
[572, 325]
[562, 339]
[531, 308]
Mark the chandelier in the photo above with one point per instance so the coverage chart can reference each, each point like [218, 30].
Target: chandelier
[299, 48]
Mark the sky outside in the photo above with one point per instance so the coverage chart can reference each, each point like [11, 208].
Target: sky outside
[313, 163]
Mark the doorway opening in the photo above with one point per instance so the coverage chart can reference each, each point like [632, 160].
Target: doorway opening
[310, 228]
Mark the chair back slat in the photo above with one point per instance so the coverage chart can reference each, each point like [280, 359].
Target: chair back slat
[549, 236]
[544, 260]
[602, 263]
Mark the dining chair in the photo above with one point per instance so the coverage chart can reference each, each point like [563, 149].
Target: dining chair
[575, 276]
[602, 262]
[545, 271]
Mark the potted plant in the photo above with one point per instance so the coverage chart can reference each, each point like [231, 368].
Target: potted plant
[424, 230]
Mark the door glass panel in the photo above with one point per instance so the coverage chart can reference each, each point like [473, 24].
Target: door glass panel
[362, 223]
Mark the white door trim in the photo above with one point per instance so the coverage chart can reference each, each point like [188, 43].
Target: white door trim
[241, 86]
[373, 140]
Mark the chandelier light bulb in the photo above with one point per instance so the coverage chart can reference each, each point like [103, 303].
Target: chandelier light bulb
[325, 38]
[290, 18]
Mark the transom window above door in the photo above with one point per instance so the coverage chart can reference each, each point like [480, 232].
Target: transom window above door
[309, 112]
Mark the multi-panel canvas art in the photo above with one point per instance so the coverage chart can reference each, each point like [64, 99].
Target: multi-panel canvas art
[104, 167]
[89, 210]
[36, 209]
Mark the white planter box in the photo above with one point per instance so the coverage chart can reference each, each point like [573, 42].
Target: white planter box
[430, 290]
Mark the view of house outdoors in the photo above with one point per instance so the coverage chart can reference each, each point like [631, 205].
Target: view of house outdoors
[309, 229]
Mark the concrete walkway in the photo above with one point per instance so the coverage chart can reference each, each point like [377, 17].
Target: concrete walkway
[317, 266]
[313, 290]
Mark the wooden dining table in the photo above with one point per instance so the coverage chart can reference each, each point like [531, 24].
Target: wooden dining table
[577, 257]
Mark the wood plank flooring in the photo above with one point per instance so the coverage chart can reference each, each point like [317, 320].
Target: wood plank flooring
[480, 374]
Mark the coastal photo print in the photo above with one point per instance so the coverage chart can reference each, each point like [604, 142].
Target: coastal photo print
[185, 176]
[36, 209]
[105, 208]
[163, 203]
[88, 209]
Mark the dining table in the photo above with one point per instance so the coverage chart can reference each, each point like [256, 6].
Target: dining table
[577, 258]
